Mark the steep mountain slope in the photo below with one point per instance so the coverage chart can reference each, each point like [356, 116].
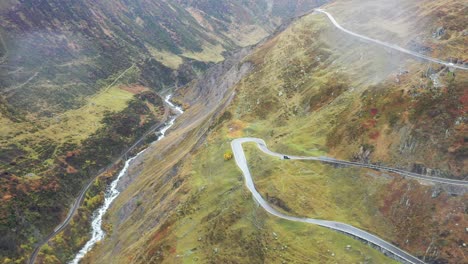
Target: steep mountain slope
[79, 83]
[311, 90]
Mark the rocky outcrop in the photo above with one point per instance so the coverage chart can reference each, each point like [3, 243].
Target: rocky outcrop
[438, 33]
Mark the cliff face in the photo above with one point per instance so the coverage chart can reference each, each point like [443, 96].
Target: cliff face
[72, 72]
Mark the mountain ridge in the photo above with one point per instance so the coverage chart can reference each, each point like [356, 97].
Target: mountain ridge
[72, 72]
[313, 91]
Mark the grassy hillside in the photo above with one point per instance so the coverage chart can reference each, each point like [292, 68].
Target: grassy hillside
[64, 48]
[312, 91]
[79, 83]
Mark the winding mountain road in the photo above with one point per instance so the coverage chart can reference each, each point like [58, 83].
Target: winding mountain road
[262, 146]
[79, 200]
[392, 46]
[23, 84]
[64, 224]
[404, 173]
[241, 162]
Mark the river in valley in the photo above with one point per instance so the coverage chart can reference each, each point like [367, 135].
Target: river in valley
[112, 193]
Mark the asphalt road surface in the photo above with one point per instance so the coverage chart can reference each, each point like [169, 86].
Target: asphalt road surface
[392, 46]
[241, 162]
[408, 174]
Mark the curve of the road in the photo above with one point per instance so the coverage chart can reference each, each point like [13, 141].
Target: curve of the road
[79, 200]
[404, 173]
[392, 46]
[241, 162]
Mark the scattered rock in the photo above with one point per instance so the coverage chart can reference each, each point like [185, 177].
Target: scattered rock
[364, 154]
[436, 192]
[402, 72]
[419, 47]
[440, 31]
[435, 80]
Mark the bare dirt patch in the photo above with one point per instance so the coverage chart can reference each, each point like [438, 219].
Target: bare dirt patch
[235, 128]
[134, 89]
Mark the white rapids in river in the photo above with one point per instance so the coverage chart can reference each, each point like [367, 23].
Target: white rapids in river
[112, 193]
